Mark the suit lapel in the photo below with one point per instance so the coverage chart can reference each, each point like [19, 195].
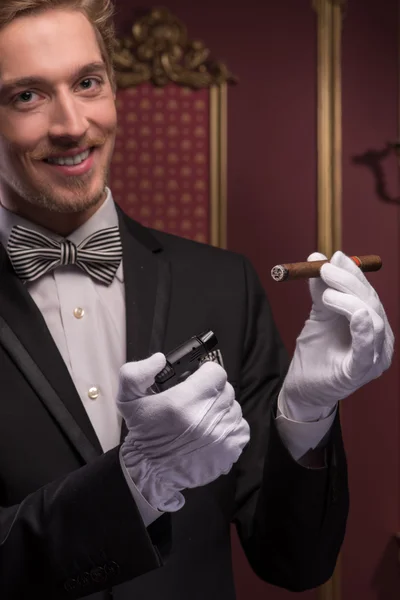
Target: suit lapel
[147, 292]
[25, 336]
[147, 289]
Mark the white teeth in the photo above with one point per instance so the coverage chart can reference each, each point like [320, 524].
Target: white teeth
[70, 160]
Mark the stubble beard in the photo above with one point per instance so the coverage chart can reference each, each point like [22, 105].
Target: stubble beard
[79, 196]
[45, 197]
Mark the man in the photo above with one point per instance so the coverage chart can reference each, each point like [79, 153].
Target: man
[83, 335]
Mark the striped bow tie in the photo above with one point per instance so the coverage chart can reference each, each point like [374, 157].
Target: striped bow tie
[33, 254]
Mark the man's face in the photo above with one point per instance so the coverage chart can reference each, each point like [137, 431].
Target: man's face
[57, 113]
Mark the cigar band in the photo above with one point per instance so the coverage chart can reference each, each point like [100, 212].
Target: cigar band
[357, 261]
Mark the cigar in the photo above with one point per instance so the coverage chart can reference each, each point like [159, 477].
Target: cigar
[306, 270]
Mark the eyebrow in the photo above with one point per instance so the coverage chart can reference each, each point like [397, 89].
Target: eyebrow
[31, 81]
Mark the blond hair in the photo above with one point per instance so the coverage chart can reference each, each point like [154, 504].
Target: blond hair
[99, 12]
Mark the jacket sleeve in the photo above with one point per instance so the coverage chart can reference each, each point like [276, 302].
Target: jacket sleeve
[290, 519]
[76, 536]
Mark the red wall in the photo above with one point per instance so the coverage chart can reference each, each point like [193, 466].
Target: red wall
[371, 225]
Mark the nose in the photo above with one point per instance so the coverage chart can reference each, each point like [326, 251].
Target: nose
[68, 120]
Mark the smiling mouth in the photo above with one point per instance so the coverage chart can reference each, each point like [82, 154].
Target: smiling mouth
[69, 161]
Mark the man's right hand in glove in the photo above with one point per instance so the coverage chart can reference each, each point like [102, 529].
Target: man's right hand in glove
[184, 437]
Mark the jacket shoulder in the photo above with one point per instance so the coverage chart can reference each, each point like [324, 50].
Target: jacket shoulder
[176, 245]
[185, 252]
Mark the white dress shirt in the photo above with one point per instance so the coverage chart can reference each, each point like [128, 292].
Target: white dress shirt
[87, 322]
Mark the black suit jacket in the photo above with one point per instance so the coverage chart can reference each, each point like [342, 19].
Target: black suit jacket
[68, 524]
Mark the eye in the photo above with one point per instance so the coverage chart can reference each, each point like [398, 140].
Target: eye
[90, 83]
[25, 97]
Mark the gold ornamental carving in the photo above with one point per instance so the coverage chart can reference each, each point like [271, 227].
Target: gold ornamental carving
[160, 52]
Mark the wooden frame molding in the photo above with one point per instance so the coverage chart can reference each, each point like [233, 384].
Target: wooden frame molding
[329, 159]
[160, 52]
[329, 20]
[218, 164]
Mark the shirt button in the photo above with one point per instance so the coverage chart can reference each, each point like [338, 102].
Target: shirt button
[93, 392]
[78, 312]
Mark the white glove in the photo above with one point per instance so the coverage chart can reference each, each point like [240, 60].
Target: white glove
[346, 342]
[181, 438]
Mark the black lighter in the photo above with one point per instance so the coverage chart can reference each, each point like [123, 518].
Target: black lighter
[186, 359]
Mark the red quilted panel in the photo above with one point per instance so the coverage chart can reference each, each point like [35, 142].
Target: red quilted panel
[160, 169]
